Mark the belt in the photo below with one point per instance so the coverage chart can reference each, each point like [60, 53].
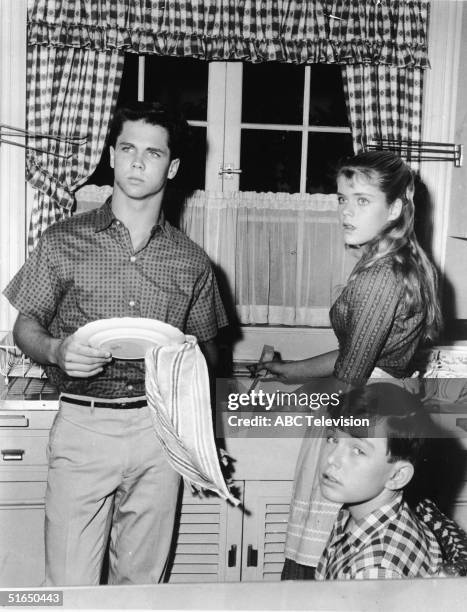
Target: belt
[104, 404]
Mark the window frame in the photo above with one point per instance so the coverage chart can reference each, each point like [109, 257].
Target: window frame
[224, 124]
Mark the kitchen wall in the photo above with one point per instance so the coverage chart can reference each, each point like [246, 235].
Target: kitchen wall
[456, 250]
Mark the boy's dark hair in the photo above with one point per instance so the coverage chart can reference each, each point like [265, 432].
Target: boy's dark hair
[153, 113]
[405, 423]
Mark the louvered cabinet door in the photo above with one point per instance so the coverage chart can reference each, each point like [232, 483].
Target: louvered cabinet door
[264, 528]
[208, 540]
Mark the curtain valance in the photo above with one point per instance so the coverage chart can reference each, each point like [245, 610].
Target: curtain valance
[389, 32]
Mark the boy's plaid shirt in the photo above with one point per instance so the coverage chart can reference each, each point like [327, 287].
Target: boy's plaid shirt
[390, 543]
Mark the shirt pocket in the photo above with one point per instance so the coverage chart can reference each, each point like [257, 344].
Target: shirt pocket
[168, 306]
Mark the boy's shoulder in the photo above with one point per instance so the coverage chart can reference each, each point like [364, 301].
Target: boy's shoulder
[73, 224]
[188, 247]
[401, 544]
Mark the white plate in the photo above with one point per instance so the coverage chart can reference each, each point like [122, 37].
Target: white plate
[129, 337]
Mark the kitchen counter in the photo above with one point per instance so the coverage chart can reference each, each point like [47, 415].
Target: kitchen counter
[268, 454]
[254, 458]
[428, 594]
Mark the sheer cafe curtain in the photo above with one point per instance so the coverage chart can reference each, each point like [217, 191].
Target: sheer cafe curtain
[282, 254]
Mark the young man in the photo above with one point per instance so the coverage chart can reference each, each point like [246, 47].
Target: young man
[375, 535]
[107, 471]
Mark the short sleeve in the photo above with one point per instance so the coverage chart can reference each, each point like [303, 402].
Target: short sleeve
[373, 299]
[207, 313]
[35, 290]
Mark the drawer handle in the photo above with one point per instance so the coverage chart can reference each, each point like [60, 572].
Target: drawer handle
[12, 454]
[252, 556]
[232, 556]
[14, 420]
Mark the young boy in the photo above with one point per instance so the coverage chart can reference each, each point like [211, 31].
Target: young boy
[375, 535]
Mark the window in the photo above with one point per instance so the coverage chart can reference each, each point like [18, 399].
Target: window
[272, 128]
[256, 127]
[294, 127]
[177, 82]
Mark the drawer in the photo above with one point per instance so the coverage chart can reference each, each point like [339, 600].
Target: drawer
[26, 448]
[23, 420]
[22, 545]
[22, 493]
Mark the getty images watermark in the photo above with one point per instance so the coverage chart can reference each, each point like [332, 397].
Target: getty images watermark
[261, 413]
[266, 400]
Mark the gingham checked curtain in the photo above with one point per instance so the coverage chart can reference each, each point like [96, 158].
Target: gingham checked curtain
[322, 31]
[383, 102]
[383, 85]
[71, 92]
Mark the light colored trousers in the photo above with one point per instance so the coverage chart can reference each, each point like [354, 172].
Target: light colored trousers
[107, 475]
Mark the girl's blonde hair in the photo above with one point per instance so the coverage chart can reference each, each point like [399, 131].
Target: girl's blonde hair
[397, 238]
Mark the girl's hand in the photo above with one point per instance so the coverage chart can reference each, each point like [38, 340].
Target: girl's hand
[283, 371]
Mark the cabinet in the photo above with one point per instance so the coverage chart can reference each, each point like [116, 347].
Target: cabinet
[21, 540]
[207, 541]
[264, 529]
[214, 541]
[23, 473]
[219, 543]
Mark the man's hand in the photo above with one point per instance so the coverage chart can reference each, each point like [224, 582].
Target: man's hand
[79, 360]
[74, 358]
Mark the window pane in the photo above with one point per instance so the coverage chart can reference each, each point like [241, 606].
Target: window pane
[192, 169]
[327, 102]
[103, 174]
[180, 83]
[272, 93]
[270, 161]
[190, 176]
[324, 153]
[128, 91]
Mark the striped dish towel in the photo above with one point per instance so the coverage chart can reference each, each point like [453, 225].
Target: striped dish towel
[177, 388]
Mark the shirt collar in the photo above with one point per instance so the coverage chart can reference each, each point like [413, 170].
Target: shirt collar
[105, 218]
[364, 529]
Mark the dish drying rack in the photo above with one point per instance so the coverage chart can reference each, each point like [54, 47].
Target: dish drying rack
[14, 363]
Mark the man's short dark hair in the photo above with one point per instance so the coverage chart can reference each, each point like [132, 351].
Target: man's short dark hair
[405, 422]
[153, 113]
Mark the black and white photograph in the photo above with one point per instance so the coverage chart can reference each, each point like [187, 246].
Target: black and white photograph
[233, 304]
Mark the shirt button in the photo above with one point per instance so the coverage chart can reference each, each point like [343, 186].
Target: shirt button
[131, 303]
[132, 259]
